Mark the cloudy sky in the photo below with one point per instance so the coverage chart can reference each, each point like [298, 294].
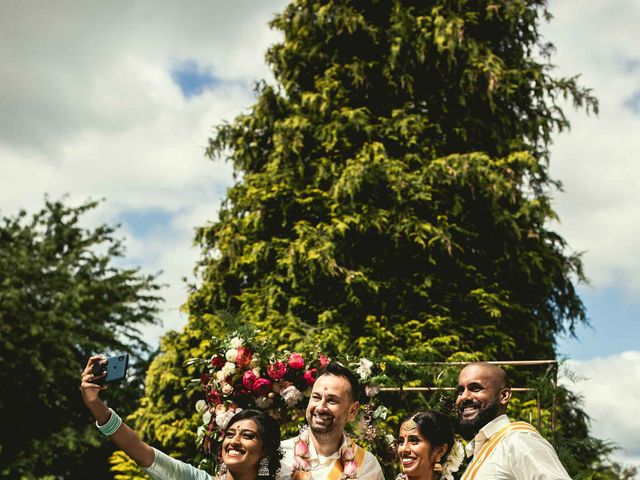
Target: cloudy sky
[116, 99]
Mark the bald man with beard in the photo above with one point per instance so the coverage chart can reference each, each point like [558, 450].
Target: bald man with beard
[501, 449]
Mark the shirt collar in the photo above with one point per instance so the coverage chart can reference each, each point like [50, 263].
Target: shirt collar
[314, 455]
[486, 432]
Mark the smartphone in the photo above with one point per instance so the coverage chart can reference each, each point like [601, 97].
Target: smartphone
[116, 368]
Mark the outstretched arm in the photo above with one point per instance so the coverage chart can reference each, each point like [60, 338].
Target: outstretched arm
[124, 437]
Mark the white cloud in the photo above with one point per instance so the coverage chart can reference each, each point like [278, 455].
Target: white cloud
[597, 159]
[89, 108]
[609, 388]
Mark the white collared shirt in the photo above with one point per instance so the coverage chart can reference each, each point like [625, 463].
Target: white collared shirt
[321, 465]
[521, 455]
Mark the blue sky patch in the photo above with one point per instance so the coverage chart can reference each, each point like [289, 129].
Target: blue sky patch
[145, 222]
[615, 325]
[193, 79]
[633, 102]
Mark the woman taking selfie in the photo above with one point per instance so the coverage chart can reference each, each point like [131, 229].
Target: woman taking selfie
[249, 451]
[426, 447]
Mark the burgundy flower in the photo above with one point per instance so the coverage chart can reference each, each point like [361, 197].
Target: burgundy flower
[204, 378]
[310, 376]
[296, 361]
[244, 357]
[248, 379]
[214, 397]
[261, 386]
[277, 370]
[218, 361]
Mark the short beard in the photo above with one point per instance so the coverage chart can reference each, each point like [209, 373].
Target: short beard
[469, 428]
[324, 430]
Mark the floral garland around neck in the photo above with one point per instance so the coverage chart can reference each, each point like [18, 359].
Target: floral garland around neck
[301, 455]
[450, 466]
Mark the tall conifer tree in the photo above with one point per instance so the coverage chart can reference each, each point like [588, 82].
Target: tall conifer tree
[392, 189]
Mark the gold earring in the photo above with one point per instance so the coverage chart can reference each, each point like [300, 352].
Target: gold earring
[438, 466]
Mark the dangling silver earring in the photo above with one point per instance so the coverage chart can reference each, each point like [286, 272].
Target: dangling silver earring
[223, 471]
[263, 467]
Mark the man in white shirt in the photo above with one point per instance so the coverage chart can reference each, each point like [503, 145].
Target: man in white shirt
[501, 450]
[323, 451]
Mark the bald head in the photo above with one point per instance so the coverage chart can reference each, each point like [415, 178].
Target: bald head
[483, 394]
[493, 373]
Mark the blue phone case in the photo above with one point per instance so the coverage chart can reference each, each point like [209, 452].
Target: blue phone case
[116, 368]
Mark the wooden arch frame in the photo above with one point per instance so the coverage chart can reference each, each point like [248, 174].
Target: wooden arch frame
[513, 363]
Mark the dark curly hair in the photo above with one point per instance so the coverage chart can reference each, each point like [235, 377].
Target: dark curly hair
[269, 433]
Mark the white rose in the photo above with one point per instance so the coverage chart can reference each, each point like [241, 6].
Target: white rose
[227, 389]
[291, 395]
[256, 372]
[232, 355]
[236, 342]
[228, 369]
[220, 376]
[454, 459]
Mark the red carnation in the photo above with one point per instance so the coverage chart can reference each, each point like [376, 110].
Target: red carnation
[310, 376]
[218, 361]
[296, 361]
[261, 386]
[278, 370]
[248, 378]
[244, 357]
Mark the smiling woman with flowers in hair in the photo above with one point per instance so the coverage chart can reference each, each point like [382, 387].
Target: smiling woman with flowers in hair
[249, 450]
[426, 447]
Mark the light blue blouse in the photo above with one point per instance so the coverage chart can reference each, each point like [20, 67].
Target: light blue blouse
[166, 468]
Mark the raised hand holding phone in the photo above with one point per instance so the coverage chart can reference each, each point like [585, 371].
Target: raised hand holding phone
[113, 369]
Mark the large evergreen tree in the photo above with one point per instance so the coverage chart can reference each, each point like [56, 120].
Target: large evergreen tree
[392, 194]
[393, 187]
[63, 299]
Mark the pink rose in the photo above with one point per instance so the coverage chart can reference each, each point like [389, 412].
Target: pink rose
[310, 376]
[296, 361]
[261, 386]
[350, 469]
[244, 357]
[371, 391]
[277, 370]
[301, 449]
[324, 361]
[248, 379]
[300, 464]
[348, 454]
[218, 361]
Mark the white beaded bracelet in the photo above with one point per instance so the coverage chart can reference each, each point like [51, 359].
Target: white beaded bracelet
[112, 424]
